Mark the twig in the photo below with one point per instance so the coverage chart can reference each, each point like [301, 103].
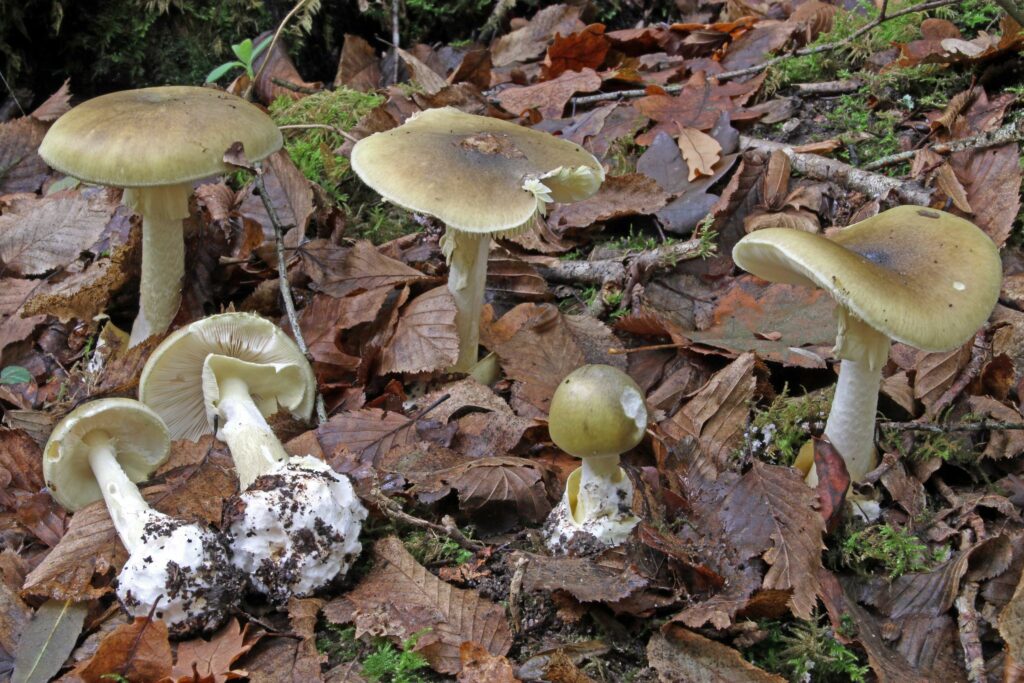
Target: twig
[515, 594]
[817, 167]
[270, 48]
[651, 347]
[286, 288]
[1011, 132]
[617, 270]
[293, 87]
[829, 87]
[982, 426]
[396, 7]
[967, 618]
[498, 14]
[395, 513]
[306, 126]
[758, 68]
[981, 349]
[1011, 8]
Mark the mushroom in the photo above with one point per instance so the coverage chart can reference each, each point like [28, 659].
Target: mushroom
[919, 276]
[295, 525]
[98, 451]
[597, 413]
[482, 177]
[154, 142]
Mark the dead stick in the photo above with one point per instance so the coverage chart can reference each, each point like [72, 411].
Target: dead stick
[395, 513]
[982, 426]
[758, 68]
[981, 349]
[967, 618]
[286, 288]
[308, 126]
[396, 7]
[270, 48]
[1011, 132]
[617, 269]
[818, 167]
[515, 594]
[293, 87]
[829, 87]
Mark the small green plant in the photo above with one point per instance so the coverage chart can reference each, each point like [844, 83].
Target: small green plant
[872, 131]
[637, 241]
[807, 650]
[949, 447]
[895, 550]
[431, 549]
[14, 374]
[708, 237]
[776, 433]
[246, 53]
[117, 678]
[389, 665]
[338, 642]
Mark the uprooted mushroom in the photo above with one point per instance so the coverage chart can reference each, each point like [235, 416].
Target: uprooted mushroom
[919, 276]
[295, 525]
[176, 570]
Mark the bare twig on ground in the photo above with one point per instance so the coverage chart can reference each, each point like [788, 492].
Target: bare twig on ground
[1011, 132]
[515, 594]
[286, 289]
[970, 640]
[818, 167]
[981, 350]
[293, 87]
[270, 48]
[307, 126]
[498, 14]
[396, 8]
[829, 87]
[617, 270]
[981, 426]
[882, 17]
[395, 513]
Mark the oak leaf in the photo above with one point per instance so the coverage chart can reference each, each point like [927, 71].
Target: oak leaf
[700, 150]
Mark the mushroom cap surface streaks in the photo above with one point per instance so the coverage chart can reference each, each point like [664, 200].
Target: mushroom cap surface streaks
[185, 570]
[919, 276]
[156, 136]
[172, 381]
[476, 173]
[295, 529]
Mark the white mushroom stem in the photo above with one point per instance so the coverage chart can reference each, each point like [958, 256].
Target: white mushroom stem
[253, 444]
[467, 278]
[163, 255]
[128, 509]
[851, 421]
[600, 479]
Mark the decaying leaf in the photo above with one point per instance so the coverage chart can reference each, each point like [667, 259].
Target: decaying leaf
[532, 39]
[586, 579]
[21, 168]
[629, 195]
[213, 659]
[426, 337]
[549, 97]
[399, 597]
[340, 272]
[43, 234]
[480, 666]
[47, 640]
[584, 49]
[139, 651]
[678, 654]
[700, 150]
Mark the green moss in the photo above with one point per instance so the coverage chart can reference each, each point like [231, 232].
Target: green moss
[430, 549]
[777, 432]
[391, 665]
[312, 149]
[888, 548]
[805, 650]
[954, 447]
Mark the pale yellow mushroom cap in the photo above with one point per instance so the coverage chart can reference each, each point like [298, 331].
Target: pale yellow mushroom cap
[172, 381]
[597, 410]
[476, 173]
[138, 435]
[156, 136]
[919, 276]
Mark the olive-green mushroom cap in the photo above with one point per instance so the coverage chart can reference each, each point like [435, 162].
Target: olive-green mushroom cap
[919, 276]
[156, 136]
[597, 410]
[469, 171]
[172, 381]
[138, 435]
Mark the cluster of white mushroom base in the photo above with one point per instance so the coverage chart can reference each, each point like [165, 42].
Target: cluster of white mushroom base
[295, 529]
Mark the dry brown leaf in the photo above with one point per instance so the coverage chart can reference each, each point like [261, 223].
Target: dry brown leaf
[700, 150]
[794, 219]
[358, 67]
[290, 194]
[549, 97]
[947, 183]
[531, 40]
[492, 485]
[480, 666]
[586, 579]
[775, 182]
[340, 272]
[426, 337]
[368, 432]
[279, 67]
[43, 234]
[696, 106]
[139, 651]
[399, 598]
[56, 105]
[1002, 443]
[936, 372]
[213, 659]
[717, 414]
[634, 194]
[584, 49]
[21, 168]
[21, 461]
[422, 75]
[988, 176]
[1011, 623]
[294, 658]
[678, 654]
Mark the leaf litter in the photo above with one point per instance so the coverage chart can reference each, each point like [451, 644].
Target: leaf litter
[732, 550]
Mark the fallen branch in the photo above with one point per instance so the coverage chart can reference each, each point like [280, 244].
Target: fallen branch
[758, 68]
[829, 87]
[307, 126]
[288, 85]
[817, 167]
[617, 270]
[967, 619]
[980, 426]
[1011, 132]
[447, 528]
[286, 288]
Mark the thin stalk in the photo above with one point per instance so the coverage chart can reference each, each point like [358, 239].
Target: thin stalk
[467, 278]
[254, 446]
[129, 511]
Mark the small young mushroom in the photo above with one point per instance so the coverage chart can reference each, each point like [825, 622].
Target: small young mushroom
[295, 525]
[98, 451]
[154, 142]
[919, 276]
[597, 413]
[482, 177]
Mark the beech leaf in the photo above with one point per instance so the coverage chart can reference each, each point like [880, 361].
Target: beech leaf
[426, 337]
[40, 235]
[700, 150]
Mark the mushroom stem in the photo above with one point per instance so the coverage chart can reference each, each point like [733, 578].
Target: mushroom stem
[254, 447]
[129, 511]
[602, 490]
[467, 277]
[163, 255]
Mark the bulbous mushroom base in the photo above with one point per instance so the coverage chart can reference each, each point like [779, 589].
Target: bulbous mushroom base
[295, 529]
[594, 513]
[184, 570]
